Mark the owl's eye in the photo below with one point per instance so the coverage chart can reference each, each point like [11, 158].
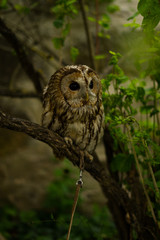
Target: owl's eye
[74, 86]
[91, 84]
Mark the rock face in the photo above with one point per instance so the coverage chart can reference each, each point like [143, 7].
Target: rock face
[25, 166]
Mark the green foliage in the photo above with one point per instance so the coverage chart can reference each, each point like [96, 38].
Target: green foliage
[22, 9]
[136, 143]
[64, 8]
[58, 42]
[104, 22]
[63, 11]
[100, 56]
[133, 24]
[3, 4]
[52, 220]
[113, 8]
[150, 10]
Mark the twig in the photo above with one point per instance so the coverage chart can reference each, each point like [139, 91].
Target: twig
[89, 42]
[34, 75]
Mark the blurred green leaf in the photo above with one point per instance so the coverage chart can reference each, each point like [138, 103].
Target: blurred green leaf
[154, 112]
[133, 24]
[91, 19]
[22, 8]
[74, 53]
[146, 109]
[150, 10]
[58, 42]
[58, 23]
[3, 4]
[100, 56]
[113, 8]
[140, 93]
[104, 22]
[133, 16]
[69, 2]
[66, 30]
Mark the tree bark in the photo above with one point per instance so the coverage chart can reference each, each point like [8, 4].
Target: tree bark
[24, 59]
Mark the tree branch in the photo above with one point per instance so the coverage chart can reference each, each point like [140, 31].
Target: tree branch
[57, 143]
[18, 94]
[34, 75]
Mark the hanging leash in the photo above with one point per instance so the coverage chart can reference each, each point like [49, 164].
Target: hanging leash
[79, 184]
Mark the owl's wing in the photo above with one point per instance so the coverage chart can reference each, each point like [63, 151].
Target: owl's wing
[47, 116]
[48, 113]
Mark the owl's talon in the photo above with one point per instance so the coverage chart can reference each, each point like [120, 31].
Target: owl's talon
[88, 156]
[68, 141]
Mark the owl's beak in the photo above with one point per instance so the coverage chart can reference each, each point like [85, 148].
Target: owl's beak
[85, 98]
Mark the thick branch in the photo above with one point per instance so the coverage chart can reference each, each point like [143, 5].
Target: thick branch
[57, 143]
[34, 75]
[110, 188]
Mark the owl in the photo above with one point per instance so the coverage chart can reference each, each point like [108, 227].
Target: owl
[73, 106]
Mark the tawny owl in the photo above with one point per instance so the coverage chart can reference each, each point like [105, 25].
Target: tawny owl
[73, 106]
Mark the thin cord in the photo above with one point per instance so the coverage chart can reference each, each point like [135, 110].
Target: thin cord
[79, 184]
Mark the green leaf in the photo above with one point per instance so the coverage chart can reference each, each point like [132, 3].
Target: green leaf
[74, 53]
[132, 24]
[22, 9]
[66, 30]
[103, 35]
[140, 93]
[150, 10]
[69, 2]
[58, 42]
[104, 22]
[113, 8]
[100, 56]
[91, 19]
[52, 217]
[3, 4]
[112, 53]
[58, 23]
[154, 112]
[133, 16]
[114, 59]
[122, 162]
[146, 109]
[56, 9]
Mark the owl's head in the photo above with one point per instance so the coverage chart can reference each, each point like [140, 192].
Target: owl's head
[79, 85]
